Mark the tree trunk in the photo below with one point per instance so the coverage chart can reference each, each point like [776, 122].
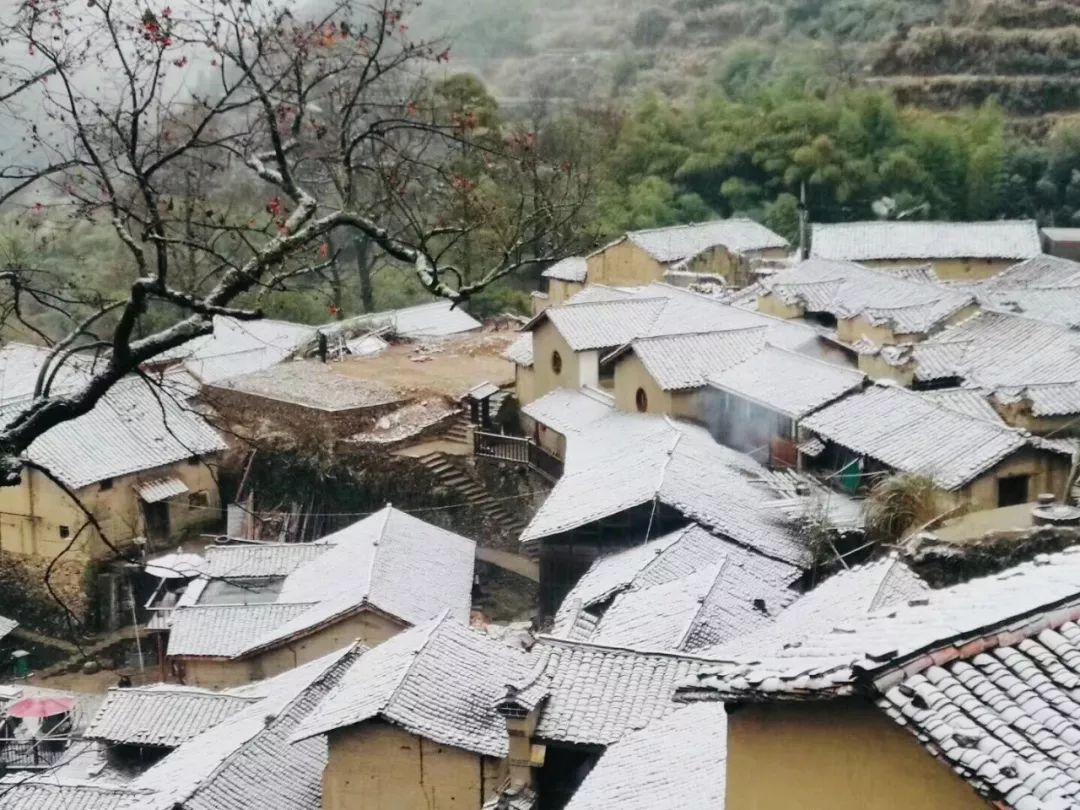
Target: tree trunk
[362, 248]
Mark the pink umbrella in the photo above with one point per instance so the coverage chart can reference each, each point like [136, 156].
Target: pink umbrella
[41, 707]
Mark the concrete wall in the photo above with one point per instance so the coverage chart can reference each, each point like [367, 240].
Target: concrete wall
[952, 269]
[840, 755]
[212, 673]
[376, 766]
[33, 513]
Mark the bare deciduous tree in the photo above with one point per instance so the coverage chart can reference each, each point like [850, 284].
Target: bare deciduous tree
[222, 143]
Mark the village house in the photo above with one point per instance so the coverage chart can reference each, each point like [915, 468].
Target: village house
[413, 724]
[955, 698]
[1046, 288]
[957, 251]
[1026, 367]
[141, 462]
[758, 406]
[569, 343]
[722, 251]
[551, 418]
[885, 429]
[857, 305]
[232, 750]
[679, 593]
[263, 609]
[564, 280]
[629, 479]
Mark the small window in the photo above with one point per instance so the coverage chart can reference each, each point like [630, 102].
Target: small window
[1013, 490]
[198, 500]
[65, 532]
[107, 483]
[556, 362]
[641, 399]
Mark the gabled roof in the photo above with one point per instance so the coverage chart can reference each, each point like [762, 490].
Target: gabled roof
[250, 561]
[847, 290]
[892, 643]
[49, 792]
[596, 694]
[520, 352]
[682, 242]
[678, 762]
[389, 562]
[247, 761]
[869, 241]
[847, 595]
[568, 411]
[134, 427]
[914, 434]
[969, 401]
[571, 269]
[435, 319]
[160, 716]
[1005, 719]
[786, 382]
[679, 362]
[681, 592]
[20, 365]
[627, 460]
[1013, 357]
[439, 681]
[1046, 288]
[239, 347]
[606, 318]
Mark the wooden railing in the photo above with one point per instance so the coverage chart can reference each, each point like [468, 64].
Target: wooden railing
[518, 450]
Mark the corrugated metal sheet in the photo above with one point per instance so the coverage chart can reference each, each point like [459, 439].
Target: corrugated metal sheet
[868, 241]
[161, 489]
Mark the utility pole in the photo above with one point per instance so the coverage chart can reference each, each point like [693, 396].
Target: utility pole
[804, 247]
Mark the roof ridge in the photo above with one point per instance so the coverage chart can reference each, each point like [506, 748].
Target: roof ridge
[428, 633]
[253, 605]
[721, 568]
[572, 643]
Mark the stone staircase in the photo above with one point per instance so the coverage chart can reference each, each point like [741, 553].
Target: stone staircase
[458, 429]
[453, 475]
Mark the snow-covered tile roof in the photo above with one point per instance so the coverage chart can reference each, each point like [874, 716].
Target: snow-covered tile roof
[968, 401]
[681, 242]
[162, 716]
[311, 384]
[239, 347]
[7, 625]
[786, 382]
[248, 761]
[596, 293]
[626, 460]
[678, 593]
[48, 792]
[899, 640]
[1004, 719]
[849, 594]
[678, 362]
[847, 290]
[434, 319]
[603, 324]
[248, 561]
[914, 434]
[223, 631]
[520, 352]
[569, 411]
[571, 269]
[439, 681]
[20, 365]
[1046, 288]
[390, 561]
[134, 427]
[161, 489]
[597, 694]
[869, 241]
[678, 762]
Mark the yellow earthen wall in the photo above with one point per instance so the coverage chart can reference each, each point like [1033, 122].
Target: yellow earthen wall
[32, 513]
[524, 384]
[376, 766]
[623, 265]
[772, 305]
[1048, 472]
[953, 269]
[839, 755]
[559, 291]
[578, 368]
[630, 375]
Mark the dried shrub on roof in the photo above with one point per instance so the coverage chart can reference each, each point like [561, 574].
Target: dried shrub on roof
[902, 502]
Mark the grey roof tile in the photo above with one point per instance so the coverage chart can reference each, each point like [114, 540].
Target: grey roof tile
[868, 241]
[160, 716]
[678, 762]
[439, 681]
[916, 434]
[48, 792]
[520, 352]
[681, 242]
[571, 269]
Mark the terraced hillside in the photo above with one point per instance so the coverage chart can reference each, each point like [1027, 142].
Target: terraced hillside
[1024, 53]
